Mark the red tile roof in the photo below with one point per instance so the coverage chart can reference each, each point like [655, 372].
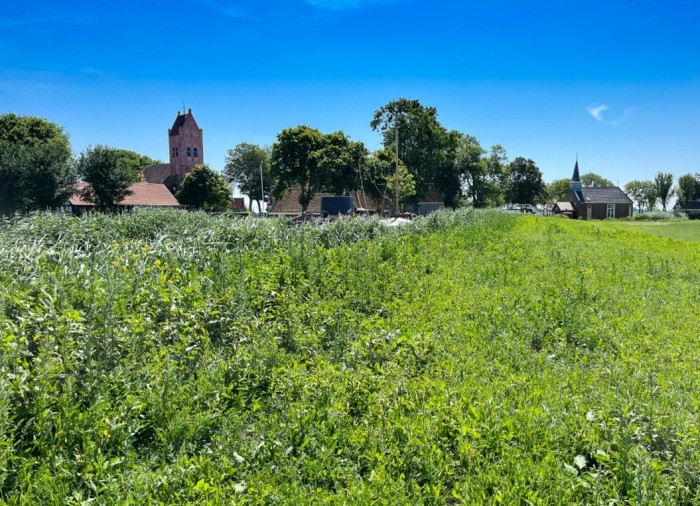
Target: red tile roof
[156, 173]
[289, 204]
[143, 194]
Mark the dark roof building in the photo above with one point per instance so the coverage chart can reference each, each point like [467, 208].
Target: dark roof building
[597, 202]
[289, 204]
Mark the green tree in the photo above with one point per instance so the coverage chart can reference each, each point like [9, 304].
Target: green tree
[35, 164]
[592, 179]
[108, 174]
[295, 162]
[557, 190]
[400, 185]
[338, 163]
[524, 183]
[649, 194]
[204, 189]
[497, 171]
[635, 190]
[643, 193]
[244, 165]
[687, 189]
[133, 161]
[473, 169]
[378, 175]
[664, 187]
[424, 146]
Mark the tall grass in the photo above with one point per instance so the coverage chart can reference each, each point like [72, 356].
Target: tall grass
[470, 357]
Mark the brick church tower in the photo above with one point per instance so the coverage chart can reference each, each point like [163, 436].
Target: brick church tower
[186, 144]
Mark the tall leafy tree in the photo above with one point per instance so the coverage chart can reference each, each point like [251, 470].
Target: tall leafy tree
[593, 179]
[643, 193]
[664, 187]
[557, 190]
[473, 169]
[378, 179]
[424, 145]
[338, 162]
[650, 194]
[204, 189]
[687, 189]
[294, 162]
[35, 164]
[497, 169]
[524, 183]
[108, 174]
[245, 164]
[635, 190]
[315, 162]
[133, 161]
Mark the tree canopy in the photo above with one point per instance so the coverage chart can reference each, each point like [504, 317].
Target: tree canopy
[687, 189]
[643, 193]
[204, 189]
[304, 157]
[35, 164]
[108, 173]
[424, 145]
[245, 164]
[524, 183]
[664, 187]
[557, 190]
[593, 179]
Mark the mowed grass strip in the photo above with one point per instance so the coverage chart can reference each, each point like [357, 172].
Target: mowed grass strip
[685, 230]
[470, 358]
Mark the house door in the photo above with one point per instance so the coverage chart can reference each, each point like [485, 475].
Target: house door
[589, 211]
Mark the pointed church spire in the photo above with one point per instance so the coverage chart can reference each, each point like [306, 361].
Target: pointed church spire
[576, 177]
[575, 183]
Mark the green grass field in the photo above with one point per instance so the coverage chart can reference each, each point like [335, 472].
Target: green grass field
[469, 358]
[688, 230]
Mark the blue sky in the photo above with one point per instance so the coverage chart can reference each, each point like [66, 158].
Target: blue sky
[617, 82]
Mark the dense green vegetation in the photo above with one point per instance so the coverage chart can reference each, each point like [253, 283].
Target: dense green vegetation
[471, 357]
[685, 230]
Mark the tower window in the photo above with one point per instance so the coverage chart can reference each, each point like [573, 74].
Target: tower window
[189, 152]
[196, 153]
[176, 152]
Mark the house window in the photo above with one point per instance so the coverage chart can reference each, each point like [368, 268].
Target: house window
[189, 152]
[611, 211]
[196, 153]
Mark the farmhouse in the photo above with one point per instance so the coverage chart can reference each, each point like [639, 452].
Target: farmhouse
[594, 202]
[289, 205]
[186, 143]
[142, 195]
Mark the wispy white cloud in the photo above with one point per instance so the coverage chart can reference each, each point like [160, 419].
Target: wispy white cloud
[338, 5]
[625, 116]
[597, 111]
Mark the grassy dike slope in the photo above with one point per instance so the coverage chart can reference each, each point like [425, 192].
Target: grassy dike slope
[471, 358]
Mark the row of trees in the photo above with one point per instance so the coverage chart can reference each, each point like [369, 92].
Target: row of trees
[647, 193]
[418, 156]
[37, 171]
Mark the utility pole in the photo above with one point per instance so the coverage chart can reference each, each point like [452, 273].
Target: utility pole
[396, 175]
[262, 190]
